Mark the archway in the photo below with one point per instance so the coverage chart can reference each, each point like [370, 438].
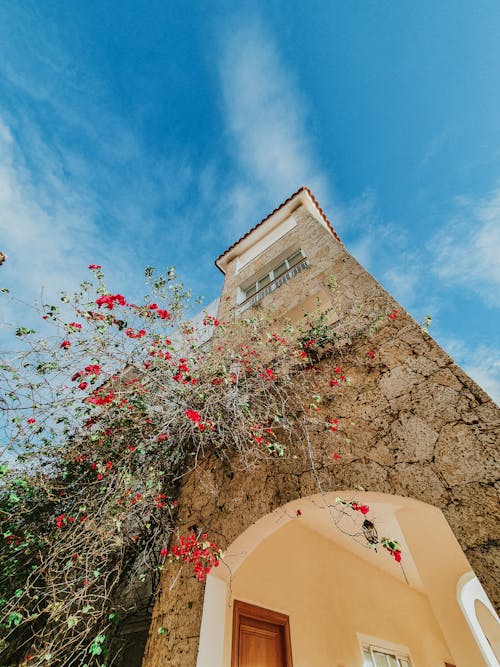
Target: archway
[345, 601]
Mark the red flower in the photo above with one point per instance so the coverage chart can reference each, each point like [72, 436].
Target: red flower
[163, 314]
[75, 325]
[109, 300]
[31, 421]
[109, 465]
[133, 334]
[193, 415]
[94, 267]
[393, 314]
[336, 456]
[83, 385]
[298, 513]
[65, 344]
[370, 354]
[364, 509]
[99, 476]
[93, 369]
[162, 436]
[153, 306]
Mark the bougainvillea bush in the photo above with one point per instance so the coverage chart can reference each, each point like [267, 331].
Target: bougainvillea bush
[105, 407]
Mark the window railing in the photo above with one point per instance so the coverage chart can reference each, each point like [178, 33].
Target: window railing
[294, 270]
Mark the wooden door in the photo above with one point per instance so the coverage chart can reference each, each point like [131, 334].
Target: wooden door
[261, 637]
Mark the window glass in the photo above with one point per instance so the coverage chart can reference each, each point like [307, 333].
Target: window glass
[250, 291]
[377, 657]
[279, 270]
[380, 659]
[264, 281]
[295, 258]
[367, 658]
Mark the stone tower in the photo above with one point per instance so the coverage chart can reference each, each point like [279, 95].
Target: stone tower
[422, 440]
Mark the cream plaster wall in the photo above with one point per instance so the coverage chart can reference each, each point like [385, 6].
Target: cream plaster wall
[331, 595]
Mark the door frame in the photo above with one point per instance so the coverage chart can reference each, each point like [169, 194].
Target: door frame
[245, 609]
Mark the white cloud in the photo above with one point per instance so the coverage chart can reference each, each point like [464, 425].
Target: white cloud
[482, 363]
[267, 121]
[467, 251]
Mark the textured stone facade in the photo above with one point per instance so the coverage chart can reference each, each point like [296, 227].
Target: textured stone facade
[417, 426]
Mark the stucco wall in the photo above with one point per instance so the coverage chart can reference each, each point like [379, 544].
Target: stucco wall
[331, 595]
[417, 426]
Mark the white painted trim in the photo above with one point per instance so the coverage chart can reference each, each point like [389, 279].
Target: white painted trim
[469, 590]
[264, 228]
[213, 623]
[383, 645]
[265, 242]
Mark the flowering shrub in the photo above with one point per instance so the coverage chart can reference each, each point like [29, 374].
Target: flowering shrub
[101, 428]
[202, 554]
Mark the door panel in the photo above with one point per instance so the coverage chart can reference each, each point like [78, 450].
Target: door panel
[261, 637]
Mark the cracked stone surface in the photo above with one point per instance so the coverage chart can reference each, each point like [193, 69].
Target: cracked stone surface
[412, 424]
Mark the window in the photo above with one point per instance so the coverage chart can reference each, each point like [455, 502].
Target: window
[375, 656]
[276, 272]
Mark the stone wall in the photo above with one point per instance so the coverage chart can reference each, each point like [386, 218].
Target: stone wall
[416, 425]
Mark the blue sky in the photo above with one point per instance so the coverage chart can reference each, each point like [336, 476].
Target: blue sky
[137, 133]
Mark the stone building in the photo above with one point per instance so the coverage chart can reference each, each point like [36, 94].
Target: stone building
[422, 441]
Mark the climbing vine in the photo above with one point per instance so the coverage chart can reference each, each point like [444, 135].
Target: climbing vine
[106, 405]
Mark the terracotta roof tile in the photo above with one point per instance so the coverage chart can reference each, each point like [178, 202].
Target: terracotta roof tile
[304, 188]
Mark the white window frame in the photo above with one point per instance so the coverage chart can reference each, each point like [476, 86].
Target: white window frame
[269, 274]
[398, 651]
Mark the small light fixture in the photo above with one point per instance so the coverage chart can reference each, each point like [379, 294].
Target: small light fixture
[370, 532]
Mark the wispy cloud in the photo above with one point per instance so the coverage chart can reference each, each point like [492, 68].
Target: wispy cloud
[466, 251]
[481, 362]
[45, 230]
[267, 120]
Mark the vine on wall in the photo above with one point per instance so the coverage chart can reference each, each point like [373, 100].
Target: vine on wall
[105, 407]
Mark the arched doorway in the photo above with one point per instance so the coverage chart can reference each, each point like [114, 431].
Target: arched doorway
[347, 605]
